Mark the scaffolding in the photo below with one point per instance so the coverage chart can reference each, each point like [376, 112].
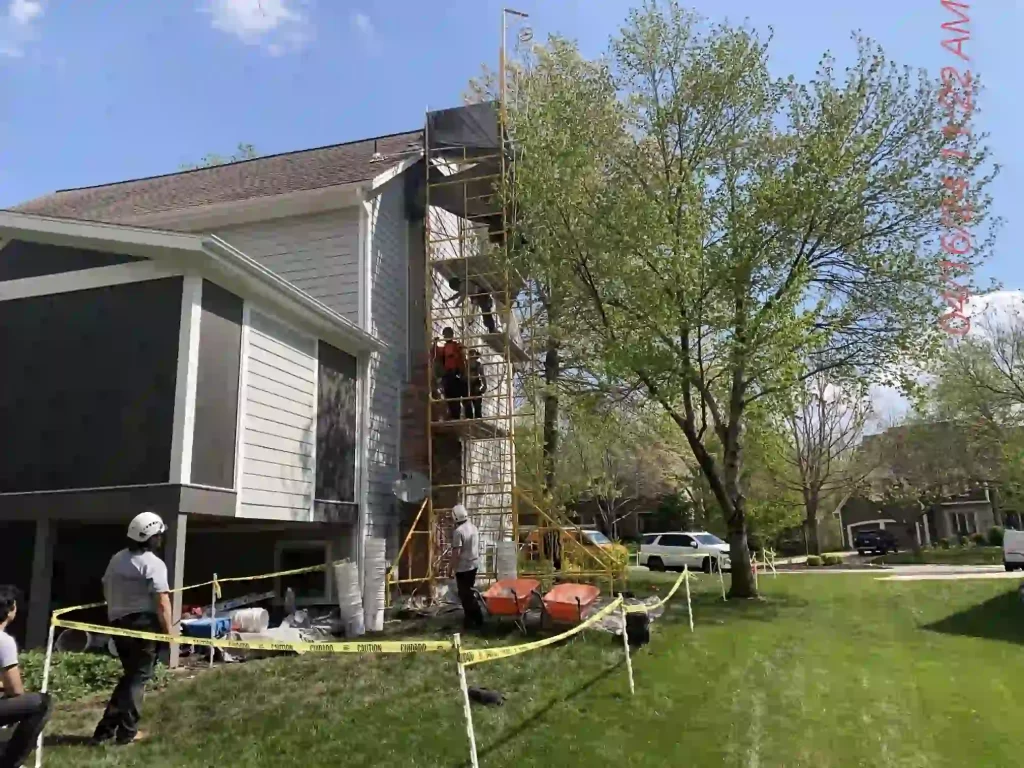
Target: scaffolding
[476, 297]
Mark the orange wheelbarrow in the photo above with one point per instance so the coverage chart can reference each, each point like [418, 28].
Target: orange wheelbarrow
[510, 598]
[567, 603]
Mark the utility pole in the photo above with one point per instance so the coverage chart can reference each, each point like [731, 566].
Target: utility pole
[503, 57]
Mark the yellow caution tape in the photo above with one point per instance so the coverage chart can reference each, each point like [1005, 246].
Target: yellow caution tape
[216, 584]
[660, 603]
[491, 654]
[389, 646]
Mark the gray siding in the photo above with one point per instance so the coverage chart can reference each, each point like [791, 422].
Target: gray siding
[317, 253]
[320, 255]
[389, 271]
[279, 427]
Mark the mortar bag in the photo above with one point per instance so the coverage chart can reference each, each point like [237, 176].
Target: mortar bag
[638, 628]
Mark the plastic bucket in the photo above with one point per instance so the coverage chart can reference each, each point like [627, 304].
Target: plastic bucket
[374, 567]
[250, 620]
[350, 599]
[72, 641]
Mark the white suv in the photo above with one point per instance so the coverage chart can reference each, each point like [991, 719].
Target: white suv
[660, 551]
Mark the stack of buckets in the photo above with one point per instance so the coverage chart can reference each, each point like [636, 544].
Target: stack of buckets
[374, 567]
[350, 599]
[506, 556]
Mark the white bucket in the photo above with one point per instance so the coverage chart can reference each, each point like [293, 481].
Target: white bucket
[76, 641]
[72, 641]
[374, 567]
[350, 599]
[250, 620]
[507, 560]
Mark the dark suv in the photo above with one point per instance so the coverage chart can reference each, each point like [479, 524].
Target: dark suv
[880, 541]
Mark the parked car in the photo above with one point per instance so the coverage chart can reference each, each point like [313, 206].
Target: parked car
[573, 557]
[878, 540]
[662, 551]
[1013, 550]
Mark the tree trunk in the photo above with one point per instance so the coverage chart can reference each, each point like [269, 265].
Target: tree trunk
[552, 365]
[813, 541]
[739, 555]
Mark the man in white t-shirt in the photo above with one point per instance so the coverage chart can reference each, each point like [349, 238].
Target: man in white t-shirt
[465, 561]
[27, 711]
[138, 598]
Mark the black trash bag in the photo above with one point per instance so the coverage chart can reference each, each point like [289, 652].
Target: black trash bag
[638, 628]
[486, 696]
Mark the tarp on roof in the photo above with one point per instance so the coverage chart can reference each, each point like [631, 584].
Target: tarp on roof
[472, 128]
[470, 136]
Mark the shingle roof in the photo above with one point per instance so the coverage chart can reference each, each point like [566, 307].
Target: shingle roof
[262, 177]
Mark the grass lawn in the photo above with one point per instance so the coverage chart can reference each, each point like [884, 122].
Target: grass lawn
[953, 556]
[828, 670]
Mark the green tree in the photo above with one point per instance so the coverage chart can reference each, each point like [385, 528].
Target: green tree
[242, 152]
[979, 386]
[719, 235]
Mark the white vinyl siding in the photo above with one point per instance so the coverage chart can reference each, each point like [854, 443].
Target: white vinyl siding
[278, 422]
[318, 253]
[388, 233]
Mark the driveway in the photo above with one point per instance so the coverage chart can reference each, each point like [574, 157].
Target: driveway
[946, 573]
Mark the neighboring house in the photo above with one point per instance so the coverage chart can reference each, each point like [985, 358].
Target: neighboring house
[241, 348]
[630, 518]
[933, 462]
[954, 516]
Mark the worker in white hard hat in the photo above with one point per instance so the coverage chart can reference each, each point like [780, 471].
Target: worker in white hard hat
[465, 561]
[138, 598]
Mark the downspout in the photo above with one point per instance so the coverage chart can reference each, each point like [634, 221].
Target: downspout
[363, 456]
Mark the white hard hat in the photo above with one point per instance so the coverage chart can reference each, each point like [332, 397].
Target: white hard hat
[145, 526]
[460, 514]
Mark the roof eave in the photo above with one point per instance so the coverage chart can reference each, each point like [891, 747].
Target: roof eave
[335, 327]
[202, 253]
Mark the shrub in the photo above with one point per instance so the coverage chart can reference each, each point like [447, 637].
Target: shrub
[979, 539]
[995, 536]
[944, 543]
[831, 560]
[813, 560]
[962, 541]
[74, 675]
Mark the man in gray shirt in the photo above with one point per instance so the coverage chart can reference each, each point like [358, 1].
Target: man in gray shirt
[138, 598]
[27, 711]
[465, 561]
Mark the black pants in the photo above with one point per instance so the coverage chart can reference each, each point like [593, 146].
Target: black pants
[454, 389]
[475, 409]
[138, 658]
[29, 712]
[474, 617]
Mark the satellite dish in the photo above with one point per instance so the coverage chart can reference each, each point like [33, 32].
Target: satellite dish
[411, 487]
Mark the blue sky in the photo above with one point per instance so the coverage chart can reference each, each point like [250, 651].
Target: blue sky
[106, 90]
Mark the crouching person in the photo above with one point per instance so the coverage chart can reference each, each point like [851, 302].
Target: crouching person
[138, 598]
[28, 712]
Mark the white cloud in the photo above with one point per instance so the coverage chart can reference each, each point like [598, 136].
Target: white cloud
[17, 26]
[279, 26]
[985, 310]
[24, 11]
[364, 27]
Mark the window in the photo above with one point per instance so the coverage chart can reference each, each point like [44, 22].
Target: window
[649, 539]
[708, 539]
[596, 537]
[965, 523]
[676, 540]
